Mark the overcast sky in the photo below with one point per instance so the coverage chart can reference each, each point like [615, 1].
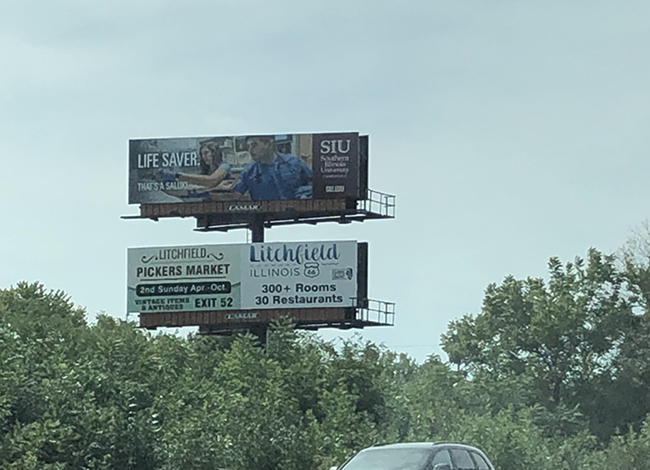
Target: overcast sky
[510, 131]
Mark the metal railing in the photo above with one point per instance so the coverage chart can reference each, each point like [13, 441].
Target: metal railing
[376, 311]
[377, 203]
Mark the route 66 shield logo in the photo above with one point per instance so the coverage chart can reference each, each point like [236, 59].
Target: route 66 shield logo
[312, 269]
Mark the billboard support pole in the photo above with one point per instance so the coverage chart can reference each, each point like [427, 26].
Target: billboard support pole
[256, 227]
[261, 331]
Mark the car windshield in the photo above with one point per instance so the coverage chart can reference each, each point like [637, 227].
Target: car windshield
[388, 459]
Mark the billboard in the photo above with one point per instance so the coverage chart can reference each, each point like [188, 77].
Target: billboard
[243, 277]
[246, 168]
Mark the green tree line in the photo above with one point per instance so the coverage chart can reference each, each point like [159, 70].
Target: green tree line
[551, 373]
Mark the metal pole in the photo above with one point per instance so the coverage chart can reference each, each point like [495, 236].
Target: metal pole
[256, 227]
[261, 331]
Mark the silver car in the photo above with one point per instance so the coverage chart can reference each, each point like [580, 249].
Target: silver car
[418, 456]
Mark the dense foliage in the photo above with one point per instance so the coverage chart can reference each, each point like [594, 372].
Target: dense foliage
[549, 375]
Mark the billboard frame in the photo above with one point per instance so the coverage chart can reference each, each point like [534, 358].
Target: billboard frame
[266, 214]
[223, 216]
[363, 313]
[375, 313]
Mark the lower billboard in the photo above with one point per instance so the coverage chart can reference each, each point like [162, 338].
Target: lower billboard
[242, 277]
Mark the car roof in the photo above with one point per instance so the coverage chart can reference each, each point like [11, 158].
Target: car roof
[421, 445]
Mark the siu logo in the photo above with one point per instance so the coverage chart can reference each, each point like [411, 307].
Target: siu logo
[335, 146]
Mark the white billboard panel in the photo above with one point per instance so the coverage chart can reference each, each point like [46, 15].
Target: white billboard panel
[242, 277]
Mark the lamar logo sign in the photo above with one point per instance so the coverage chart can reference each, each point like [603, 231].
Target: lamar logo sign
[241, 315]
[244, 207]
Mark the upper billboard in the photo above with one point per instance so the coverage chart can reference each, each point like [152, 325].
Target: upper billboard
[245, 168]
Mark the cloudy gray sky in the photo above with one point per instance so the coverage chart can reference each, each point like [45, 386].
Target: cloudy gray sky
[510, 131]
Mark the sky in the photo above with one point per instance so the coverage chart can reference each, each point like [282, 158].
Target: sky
[509, 131]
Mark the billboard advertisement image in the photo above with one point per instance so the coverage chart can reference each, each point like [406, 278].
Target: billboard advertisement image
[244, 168]
[242, 276]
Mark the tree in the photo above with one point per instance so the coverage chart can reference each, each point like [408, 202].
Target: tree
[560, 335]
